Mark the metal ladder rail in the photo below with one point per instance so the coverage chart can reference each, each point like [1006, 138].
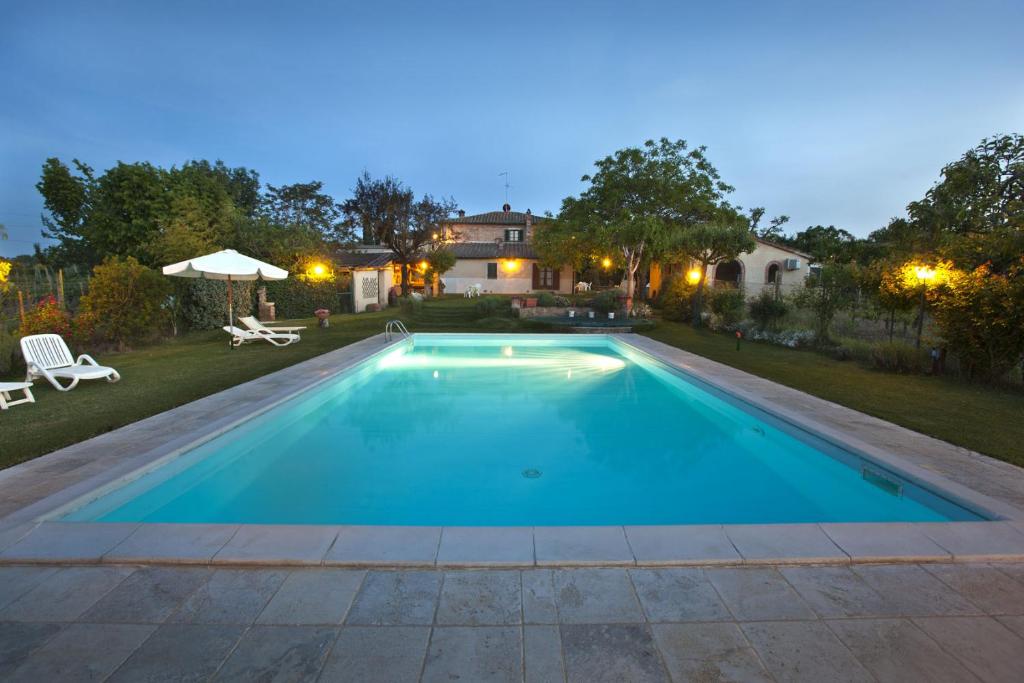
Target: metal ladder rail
[394, 326]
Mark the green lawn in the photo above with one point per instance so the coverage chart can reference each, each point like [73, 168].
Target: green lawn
[984, 419]
[160, 377]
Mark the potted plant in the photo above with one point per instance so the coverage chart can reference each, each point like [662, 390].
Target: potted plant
[322, 315]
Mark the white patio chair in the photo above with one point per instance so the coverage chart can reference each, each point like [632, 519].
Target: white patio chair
[6, 401]
[582, 287]
[240, 336]
[47, 356]
[474, 290]
[256, 326]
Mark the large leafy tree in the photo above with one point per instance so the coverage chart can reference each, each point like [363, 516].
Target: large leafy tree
[66, 199]
[723, 238]
[826, 243]
[388, 213]
[305, 207]
[637, 199]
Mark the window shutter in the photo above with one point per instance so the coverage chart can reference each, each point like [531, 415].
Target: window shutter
[536, 276]
[555, 278]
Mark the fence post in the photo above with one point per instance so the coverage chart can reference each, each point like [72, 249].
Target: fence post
[21, 307]
[60, 288]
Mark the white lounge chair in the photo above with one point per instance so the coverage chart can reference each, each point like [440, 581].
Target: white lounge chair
[582, 286]
[256, 326]
[473, 290]
[5, 394]
[240, 336]
[47, 356]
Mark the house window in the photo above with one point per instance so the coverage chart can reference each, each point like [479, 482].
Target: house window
[773, 274]
[513, 235]
[492, 271]
[547, 278]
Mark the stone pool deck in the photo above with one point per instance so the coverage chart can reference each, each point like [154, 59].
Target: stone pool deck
[870, 622]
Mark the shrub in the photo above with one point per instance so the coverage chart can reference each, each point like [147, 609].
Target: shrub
[767, 310]
[562, 301]
[854, 349]
[411, 305]
[675, 300]
[203, 304]
[8, 343]
[546, 299]
[728, 305]
[46, 317]
[607, 301]
[492, 306]
[899, 357]
[125, 301]
[981, 317]
[298, 297]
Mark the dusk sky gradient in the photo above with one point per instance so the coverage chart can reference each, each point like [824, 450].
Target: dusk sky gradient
[833, 113]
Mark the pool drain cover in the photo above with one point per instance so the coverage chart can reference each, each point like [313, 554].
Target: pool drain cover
[532, 474]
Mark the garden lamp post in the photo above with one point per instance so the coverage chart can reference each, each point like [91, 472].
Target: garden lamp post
[924, 275]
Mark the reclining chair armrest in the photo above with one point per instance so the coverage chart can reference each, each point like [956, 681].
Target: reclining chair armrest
[87, 359]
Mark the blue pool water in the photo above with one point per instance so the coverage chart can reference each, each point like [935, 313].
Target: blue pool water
[484, 430]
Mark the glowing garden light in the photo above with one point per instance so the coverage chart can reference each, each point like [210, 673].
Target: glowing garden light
[606, 263]
[693, 276]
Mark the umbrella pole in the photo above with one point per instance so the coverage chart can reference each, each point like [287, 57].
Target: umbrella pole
[231, 316]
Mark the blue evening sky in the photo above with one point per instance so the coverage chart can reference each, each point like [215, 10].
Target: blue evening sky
[834, 113]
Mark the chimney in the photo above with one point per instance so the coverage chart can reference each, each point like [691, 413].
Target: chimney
[529, 225]
[462, 213]
[506, 207]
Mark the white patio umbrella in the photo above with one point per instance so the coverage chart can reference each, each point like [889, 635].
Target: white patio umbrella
[226, 265]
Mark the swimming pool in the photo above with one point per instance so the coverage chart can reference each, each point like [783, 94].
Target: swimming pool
[492, 430]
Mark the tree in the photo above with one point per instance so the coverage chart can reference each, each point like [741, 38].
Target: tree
[707, 244]
[637, 199]
[66, 198]
[303, 206]
[387, 213]
[826, 291]
[771, 232]
[826, 243]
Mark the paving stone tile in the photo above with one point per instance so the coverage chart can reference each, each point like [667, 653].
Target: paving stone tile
[19, 640]
[690, 544]
[897, 650]
[180, 543]
[776, 543]
[16, 581]
[180, 652]
[149, 595]
[803, 651]
[65, 594]
[378, 545]
[986, 647]
[1015, 624]
[678, 594]
[82, 652]
[67, 542]
[396, 598]
[486, 547]
[1015, 570]
[474, 598]
[539, 596]
[754, 593]
[313, 596]
[611, 652]
[280, 545]
[882, 542]
[984, 585]
[542, 654]
[595, 596]
[708, 652]
[977, 540]
[914, 592]
[480, 654]
[11, 533]
[230, 596]
[837, 592]
[560, 546]
[279, 653]
[371, 654]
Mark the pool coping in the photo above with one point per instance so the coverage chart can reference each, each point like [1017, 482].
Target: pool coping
[27, 537]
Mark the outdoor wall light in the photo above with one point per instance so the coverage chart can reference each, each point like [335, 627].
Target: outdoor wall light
[693, 276]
